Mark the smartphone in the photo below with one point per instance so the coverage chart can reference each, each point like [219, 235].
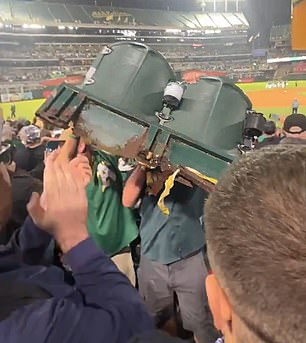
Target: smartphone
[53, 145]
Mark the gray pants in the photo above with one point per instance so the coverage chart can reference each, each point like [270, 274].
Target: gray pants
[186, 278]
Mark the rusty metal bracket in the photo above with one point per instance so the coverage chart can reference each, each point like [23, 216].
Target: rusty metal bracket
[64, 108]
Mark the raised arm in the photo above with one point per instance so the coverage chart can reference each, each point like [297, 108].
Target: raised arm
[134, 187]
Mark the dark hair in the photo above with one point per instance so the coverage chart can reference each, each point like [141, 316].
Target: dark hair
[270, 128]
[256, 238]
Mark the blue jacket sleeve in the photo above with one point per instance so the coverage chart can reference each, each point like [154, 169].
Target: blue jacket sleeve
[103, 307]
[31, 243]
[107, 297]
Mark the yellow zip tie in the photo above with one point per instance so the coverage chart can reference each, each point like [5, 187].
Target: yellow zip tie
[202, 176]
[168, 186]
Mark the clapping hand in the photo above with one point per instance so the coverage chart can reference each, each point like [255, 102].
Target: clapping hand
[63, 211]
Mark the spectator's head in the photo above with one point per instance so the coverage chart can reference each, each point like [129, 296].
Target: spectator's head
[256, 238]
[270, 128]
[19, 124]
[30, 135]
[295, 126]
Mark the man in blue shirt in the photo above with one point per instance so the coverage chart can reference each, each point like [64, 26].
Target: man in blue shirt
[101, 305]
[172, 250]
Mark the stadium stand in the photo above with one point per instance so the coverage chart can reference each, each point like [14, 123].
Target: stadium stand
[42, 40]
[21, 12]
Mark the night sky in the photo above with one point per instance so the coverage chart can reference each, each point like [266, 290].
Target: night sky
[263, 14]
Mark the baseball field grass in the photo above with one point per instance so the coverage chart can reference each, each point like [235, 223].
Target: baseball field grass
[266, 101]
[276, 100]
[24, 109]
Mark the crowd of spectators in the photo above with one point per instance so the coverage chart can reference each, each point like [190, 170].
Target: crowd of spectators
[68, 59]
[90, 51]
[279, 52]
[76, 59]
[51, 51]
[10, 75]
[198, 51]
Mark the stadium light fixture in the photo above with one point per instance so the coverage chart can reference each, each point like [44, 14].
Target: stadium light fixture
[175, 31]
[70, 27]
[128, 33]
[61, 27]
[209, 32]
[194, 31]
[33, 26]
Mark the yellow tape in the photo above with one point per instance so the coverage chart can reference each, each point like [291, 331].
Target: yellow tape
[202, 176]
[168, 186]
[170, 183]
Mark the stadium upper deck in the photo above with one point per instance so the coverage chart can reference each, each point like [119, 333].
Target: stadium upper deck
[38, 15]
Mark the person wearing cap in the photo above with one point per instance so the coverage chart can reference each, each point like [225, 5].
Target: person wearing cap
[270, 136]
[172, 253]
[295, 129]
[30, 156]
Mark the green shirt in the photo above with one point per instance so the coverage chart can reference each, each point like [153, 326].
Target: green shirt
[111, 225]
[168, 239]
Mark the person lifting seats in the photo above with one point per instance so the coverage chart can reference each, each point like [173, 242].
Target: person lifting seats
[256, 249]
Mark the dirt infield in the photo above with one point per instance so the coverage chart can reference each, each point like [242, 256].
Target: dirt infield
[277, 97]
[276, 100]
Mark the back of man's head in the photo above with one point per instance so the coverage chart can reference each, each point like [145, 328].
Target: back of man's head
[270, 128]
[30, 135]
[256, 236]
[295, 126]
